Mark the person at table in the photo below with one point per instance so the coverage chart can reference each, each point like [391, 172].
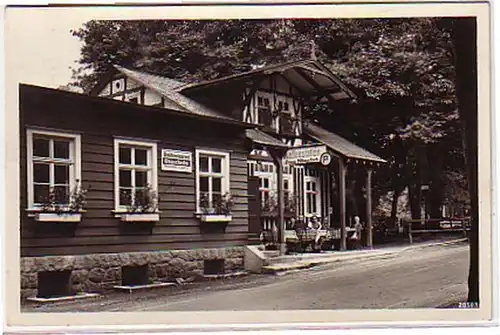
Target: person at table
[315, 224]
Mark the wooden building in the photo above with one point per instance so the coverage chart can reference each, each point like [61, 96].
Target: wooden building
[113, 149]
[191, 144]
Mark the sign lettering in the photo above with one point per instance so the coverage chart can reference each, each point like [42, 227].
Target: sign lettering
[176, 160]
[308, 155]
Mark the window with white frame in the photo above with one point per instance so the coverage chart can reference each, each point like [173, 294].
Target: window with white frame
[266, 173]
[53, 166]
[135, 172]
[212, 178]
[312, 193]
[287, 193]
[265, 191]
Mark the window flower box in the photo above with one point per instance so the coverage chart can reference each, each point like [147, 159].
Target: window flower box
[216, 218]
[143, 206]
[140, 217]
[218, 211]
[54, 209]
[58, 217]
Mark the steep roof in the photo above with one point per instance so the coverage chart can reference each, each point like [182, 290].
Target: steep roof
[81, 98]
[309, 77]
[339, 144]
[168, 89]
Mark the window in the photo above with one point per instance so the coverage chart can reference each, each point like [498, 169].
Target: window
[212, 177]
[311, 197]
[264, 110]
[265, 192]
[287, 193]
[135, 171]
[312, 193]
[54, 163]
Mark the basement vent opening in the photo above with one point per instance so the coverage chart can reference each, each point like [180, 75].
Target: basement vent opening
[135, 275]
[213, 267]
[53, 284]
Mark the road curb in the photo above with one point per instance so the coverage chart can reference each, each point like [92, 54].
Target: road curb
[426, 245]
[283, 268]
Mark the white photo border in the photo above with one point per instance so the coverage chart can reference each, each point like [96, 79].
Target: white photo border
[215, 321]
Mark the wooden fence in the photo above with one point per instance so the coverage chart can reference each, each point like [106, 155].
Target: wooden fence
[435, 226]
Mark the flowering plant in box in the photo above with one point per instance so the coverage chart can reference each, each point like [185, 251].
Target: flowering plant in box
[145, 200]
[221, 205]
[59, 202]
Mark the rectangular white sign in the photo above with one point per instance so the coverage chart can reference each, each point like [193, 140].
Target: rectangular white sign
[305, 155]
[176, 160]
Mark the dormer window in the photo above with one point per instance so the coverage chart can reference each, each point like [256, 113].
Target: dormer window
[276, 112]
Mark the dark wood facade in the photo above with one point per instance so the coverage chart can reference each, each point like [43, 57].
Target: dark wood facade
[98, 121]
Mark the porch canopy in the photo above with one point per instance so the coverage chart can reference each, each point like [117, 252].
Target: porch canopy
[340, 145]
[346, 151]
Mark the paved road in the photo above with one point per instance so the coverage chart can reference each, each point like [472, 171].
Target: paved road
[421, 278]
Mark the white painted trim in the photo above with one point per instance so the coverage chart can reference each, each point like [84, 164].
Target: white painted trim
[317, 180]
[74, 153]
[152, 155]
[140, 217]
[58, 217]
[216, 218]
[226, 171]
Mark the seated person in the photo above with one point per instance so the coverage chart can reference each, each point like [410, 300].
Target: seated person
[315, 224]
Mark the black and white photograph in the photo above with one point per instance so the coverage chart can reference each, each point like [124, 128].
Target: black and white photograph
[264, 161]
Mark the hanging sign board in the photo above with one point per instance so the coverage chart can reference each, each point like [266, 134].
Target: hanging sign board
[308, 155]
[176, 160]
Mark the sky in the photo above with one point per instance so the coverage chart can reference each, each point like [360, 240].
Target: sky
[42, 51]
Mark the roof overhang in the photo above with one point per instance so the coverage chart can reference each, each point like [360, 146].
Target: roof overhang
[310, 78]
[341, 146]
[82, 98]
[261, 138]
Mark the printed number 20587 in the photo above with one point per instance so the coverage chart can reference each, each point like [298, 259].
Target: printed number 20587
[468, 304]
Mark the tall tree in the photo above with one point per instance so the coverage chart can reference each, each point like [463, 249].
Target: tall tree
[465, 41]
[402, 69]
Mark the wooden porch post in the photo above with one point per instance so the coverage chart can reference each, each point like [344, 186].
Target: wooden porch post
[369, 226]
[342, 196]
[277, 158]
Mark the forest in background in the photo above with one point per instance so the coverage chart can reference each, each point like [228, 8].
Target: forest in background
[416, 81]
[401, 69]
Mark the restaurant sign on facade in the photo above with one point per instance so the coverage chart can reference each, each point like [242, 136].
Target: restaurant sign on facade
[308, 155]
[176, 160]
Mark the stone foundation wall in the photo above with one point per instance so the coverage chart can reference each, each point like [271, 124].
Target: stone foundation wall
[100, 272]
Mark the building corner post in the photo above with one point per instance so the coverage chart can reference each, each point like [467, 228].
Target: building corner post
[342, 198]
[277, 156]
[369, 224]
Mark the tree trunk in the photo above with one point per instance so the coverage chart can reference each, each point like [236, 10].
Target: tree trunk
[414, 183]
[435, 195]
[394, 206]
[464, 42]
[414, 199]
